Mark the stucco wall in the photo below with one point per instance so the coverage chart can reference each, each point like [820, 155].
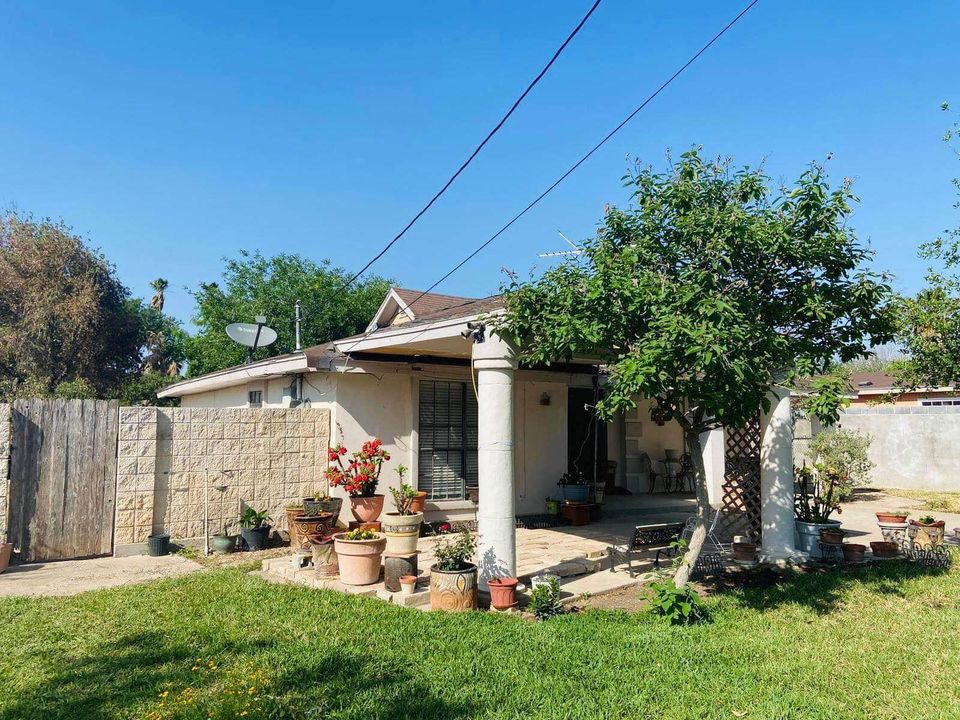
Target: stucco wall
[170, 459]
[4, 467]
[913, 447]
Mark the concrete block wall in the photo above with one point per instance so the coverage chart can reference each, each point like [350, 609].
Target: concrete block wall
[5, 431]
[173, 460]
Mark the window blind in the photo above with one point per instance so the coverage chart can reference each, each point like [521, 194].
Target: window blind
[448, 439]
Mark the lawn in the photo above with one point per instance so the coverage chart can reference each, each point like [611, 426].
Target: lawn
[932, 500]
[872, 643]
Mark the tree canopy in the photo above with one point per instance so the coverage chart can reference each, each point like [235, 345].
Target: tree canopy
[706, 293]
[257, 285]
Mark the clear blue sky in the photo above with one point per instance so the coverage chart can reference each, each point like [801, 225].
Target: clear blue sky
[174, 133]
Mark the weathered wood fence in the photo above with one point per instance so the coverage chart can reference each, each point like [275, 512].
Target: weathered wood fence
[63, 470]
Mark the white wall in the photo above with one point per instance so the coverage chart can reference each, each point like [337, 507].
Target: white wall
[540, 455]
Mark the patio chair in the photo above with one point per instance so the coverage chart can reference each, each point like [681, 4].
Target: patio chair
[646, 468]
[711, 545]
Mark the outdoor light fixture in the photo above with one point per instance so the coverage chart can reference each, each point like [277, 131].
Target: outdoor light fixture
[545, 399]
[474, 330]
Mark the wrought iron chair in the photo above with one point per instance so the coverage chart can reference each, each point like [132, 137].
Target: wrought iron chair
[711, 545]
[646, 468]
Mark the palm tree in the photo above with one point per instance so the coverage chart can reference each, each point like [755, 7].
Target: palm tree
[159, 285]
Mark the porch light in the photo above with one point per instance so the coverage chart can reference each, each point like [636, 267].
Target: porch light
[545, 399]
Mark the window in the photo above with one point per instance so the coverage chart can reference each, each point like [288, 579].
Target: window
[255, 398]
[938, 403]
[448, 439]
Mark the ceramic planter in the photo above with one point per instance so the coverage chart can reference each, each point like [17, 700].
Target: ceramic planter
[223, 544]
[292, 514]
[419, 502]
[6, 551]
[359, 560]
[503, 592]
[577, 493]
[366, 509]
[408, 583]
[310, 506]
[890, 518]
[310, 526]
[745, 552]
[884, 549]
[808, 536]
[831, 536]
[332, 505]
[454, 590]
[402, 532]
[927, 536]
[255, 538]
[853, 552]
[325, 563]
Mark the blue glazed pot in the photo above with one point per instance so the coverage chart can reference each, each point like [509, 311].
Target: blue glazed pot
[577, 493]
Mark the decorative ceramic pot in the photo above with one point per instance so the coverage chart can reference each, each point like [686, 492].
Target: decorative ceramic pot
[884, 549]
[419, 502]
[223, 544]
[255, 538]
[366, 509]
[454, 590]
[309, 526]
[808, 536]
[745, 552]
[503, 592]
[310, 506]
[927, 536]
[359, 560]
[6, 551]
[577, 493]
[408, 583]
[853, 552]
[887, 518]
[292, 514]
[333, 506]
[402, 532]
[325, 563]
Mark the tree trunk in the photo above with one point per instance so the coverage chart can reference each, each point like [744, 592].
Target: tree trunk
[703, 509]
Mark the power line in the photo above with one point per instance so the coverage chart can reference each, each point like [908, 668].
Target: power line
[476, 150]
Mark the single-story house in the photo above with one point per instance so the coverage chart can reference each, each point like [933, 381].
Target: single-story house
[881, 387]
[448, 399]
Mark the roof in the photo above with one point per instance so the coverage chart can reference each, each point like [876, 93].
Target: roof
[872, 381]
[422, 304]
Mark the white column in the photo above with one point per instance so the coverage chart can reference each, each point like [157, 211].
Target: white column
[495, 364]
[776, 480]
[714, 463]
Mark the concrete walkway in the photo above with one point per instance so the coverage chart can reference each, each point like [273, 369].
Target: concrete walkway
[69, 577]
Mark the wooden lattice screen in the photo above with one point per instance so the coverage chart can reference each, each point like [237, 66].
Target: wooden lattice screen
[741, 483]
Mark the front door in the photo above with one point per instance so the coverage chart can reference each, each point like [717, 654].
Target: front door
[586, 437]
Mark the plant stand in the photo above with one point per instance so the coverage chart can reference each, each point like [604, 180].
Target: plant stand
[395, 566]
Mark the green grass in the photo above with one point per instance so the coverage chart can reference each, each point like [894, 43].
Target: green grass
[932, 500]
[871, 643]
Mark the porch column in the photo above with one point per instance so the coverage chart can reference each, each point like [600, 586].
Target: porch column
[776, 480]
[495, 363]
[714, 464]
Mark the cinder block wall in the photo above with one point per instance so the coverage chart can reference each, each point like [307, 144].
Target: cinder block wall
[170, 460]
[4, 468]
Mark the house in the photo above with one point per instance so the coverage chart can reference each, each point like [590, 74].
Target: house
[881, 387]
[448, 400]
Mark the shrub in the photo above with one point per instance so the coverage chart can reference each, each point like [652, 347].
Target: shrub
[456, 555]
[846, 452]
[545, 600]
[678, 605]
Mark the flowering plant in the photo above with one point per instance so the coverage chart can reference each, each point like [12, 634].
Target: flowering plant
[359, 475]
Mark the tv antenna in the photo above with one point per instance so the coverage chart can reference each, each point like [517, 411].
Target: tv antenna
[252, 335]
[572, 252]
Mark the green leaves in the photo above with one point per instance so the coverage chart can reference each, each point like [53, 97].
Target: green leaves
[677, 605]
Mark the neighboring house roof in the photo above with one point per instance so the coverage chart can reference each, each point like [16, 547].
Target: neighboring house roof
[881, 383]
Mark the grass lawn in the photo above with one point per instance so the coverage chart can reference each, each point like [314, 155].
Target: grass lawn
[872, 643]
[932, 500]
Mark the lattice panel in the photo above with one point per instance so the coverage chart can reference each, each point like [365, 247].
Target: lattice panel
[740, 514]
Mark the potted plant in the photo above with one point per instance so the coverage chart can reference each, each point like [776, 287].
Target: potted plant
[893, 517]
[453, 578]
[817, 498]
[573, 486]
[927, 532]
[293, 512]
[359, 477]
[408, 583]
[310, 526]
[223, 542]
[402, 527]
[854, 552]
[553, 506]
[358, 554]
[254, 528]
[503, 592]
[325, 563]
[832, 536]
[323, 503]
[884, 549]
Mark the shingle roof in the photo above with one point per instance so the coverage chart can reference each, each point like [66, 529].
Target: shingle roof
[434, 306]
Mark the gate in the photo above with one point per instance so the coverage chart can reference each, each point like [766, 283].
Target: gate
[741, 482]
[63, 471]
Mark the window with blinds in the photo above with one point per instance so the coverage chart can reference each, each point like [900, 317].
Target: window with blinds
[448, 439]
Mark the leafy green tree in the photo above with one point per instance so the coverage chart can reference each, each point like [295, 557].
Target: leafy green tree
[930, 320]
[706, 294]
[257, 285]
[65, 318]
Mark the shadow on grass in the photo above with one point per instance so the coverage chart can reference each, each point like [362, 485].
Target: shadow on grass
[819, 588]
[132, 671]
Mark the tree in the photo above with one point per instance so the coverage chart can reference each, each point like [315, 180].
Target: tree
[706, 294]
[930, 320]
[256, 285]
[65, 318]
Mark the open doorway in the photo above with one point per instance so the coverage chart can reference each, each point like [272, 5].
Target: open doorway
[586, 437]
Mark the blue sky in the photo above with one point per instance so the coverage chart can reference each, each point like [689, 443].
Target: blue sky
[172, 134]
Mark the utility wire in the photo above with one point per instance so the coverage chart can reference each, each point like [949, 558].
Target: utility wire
[476, 150]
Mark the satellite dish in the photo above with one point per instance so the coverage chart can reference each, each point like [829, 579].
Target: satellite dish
[253, 335]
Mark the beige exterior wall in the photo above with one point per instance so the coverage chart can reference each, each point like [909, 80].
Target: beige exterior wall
[5, 431]
[170, 460]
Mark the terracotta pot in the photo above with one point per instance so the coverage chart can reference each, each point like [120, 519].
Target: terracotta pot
[576, 513]
[408, 583]
[359, 560]
[744, 551]
[927, 536]
[366, 509]
[831, 536]
[292, 514]
[419, 502]
[853, 552]
[890, 518]
[884, 549]
[325, 563]
[309, 526]
[503, 592]
[454, 590]
[808, 536]
[402, 532]
[6, 551]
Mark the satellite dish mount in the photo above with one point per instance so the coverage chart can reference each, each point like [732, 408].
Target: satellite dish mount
[252, 335]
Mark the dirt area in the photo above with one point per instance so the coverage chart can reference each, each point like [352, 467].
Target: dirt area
[70, 577]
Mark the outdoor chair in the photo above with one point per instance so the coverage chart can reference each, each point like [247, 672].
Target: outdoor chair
[646, 468]
[711, 545]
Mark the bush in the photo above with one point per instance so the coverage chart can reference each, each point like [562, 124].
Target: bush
[545, 600]
[846, 452]
[678, 605]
